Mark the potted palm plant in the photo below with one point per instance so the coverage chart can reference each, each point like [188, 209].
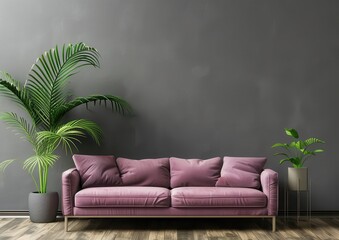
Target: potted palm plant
[297, 152]
[45, 98]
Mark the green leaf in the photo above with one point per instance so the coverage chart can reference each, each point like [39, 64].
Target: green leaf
[69, 134]
[5, 164]
[312, 141]
[13, 90]
[19, 125]
[293, 144]
[118, 105]
[318, 151]
[281, 154]
[283, 145]
[284, 160]
[291, 132]
[44, 161]
[50, 74]
[30, 164]
[296, 161]
[305, 152]
[300, 145]
[313, 152]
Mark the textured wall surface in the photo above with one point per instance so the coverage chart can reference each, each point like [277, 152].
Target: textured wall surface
[206, 78]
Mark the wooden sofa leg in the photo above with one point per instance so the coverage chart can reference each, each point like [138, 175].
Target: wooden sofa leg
[66, 224]
[274, 224]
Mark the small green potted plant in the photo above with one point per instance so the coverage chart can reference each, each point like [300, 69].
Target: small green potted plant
[297, 152]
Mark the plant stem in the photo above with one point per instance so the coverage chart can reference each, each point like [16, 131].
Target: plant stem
[45, 179]
[35, 183]
[40, 178]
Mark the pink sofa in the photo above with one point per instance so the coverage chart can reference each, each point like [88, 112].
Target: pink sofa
[102, 186]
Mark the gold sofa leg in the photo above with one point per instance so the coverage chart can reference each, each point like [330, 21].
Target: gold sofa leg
[274, 224]
[66, 224]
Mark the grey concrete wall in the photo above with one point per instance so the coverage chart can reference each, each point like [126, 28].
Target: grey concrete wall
[206, 77]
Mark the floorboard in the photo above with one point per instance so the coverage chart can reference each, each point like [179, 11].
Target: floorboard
[171, 229]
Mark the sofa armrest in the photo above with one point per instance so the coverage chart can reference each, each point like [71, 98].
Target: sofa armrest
[270, 186]
[70, 186]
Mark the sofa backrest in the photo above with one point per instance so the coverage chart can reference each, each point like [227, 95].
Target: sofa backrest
[97, 171]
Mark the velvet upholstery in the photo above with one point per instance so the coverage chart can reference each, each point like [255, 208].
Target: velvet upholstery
[171, 212]
[270, 186]
[241, 172]
[194, 172]
[97, 171]
[204, 197]
[123, 197]
[144, 172]
[70, 186]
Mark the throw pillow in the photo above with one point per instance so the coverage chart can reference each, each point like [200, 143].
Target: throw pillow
[194, 172]
[144, 172]
[241, 172]
[97, 171]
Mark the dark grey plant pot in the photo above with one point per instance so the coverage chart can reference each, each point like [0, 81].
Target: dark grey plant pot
[43, 207]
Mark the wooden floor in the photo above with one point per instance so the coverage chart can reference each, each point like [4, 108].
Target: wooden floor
[143, 229]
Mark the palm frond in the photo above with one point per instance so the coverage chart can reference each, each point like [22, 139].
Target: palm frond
[73, 128]
[19, 125]
[50, 74]
[15, 91]
[51, 140]
[44, 161]
[5, 164]
[30, 164]
[47, 142]
[69, 134]
[116, 103]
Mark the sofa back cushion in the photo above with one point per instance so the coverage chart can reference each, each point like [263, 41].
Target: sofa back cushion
[97, 171]
[241, 172]
[144, 172]
[194, 172]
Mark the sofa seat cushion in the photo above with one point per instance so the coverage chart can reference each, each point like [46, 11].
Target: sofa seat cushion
[123, 197]
[217, 197]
